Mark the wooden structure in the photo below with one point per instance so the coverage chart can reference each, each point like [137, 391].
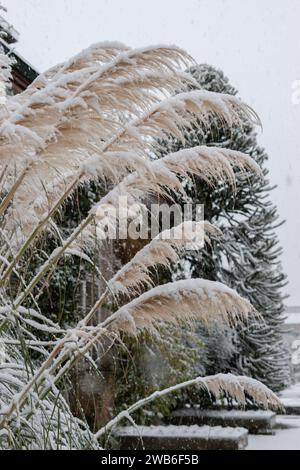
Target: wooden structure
[23, 73]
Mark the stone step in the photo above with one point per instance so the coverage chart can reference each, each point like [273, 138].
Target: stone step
[181, 438]
[291, 405]
[257, 422]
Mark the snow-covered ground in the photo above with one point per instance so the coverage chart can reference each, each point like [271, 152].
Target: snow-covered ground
[287, 433]
[292, 392]
[291, 397]
[285, 438]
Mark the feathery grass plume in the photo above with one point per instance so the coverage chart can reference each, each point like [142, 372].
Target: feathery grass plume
[99, 53]
[178, 302]
[99, 115]
[163, 246]
[101, 67]
[163, 250]
[179, 237]
[62, 124]
[241, 388]
[91, 102]
[182, 301]
[238, 387]
[161, 177]
[141, 135]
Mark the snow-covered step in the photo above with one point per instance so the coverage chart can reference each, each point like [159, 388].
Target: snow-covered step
[286, 437]
[290, 398]
[257, 422]
[292, 392]
[182, 438]
[291, 405]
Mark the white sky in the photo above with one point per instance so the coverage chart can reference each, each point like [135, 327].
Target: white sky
[256, 43]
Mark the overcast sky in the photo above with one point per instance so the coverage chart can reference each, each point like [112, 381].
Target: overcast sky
[256, 43]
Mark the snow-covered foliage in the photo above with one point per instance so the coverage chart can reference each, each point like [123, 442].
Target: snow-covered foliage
[238, 387]
[159, 178]
[99, 116]
[181, 301]
[163, 250]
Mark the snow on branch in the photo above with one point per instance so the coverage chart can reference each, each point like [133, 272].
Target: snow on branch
[182, 301]
[84, 114]
[161, 177]
[163, 250]
[237, 387]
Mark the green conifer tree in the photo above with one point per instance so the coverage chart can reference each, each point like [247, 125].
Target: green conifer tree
[247, 257]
